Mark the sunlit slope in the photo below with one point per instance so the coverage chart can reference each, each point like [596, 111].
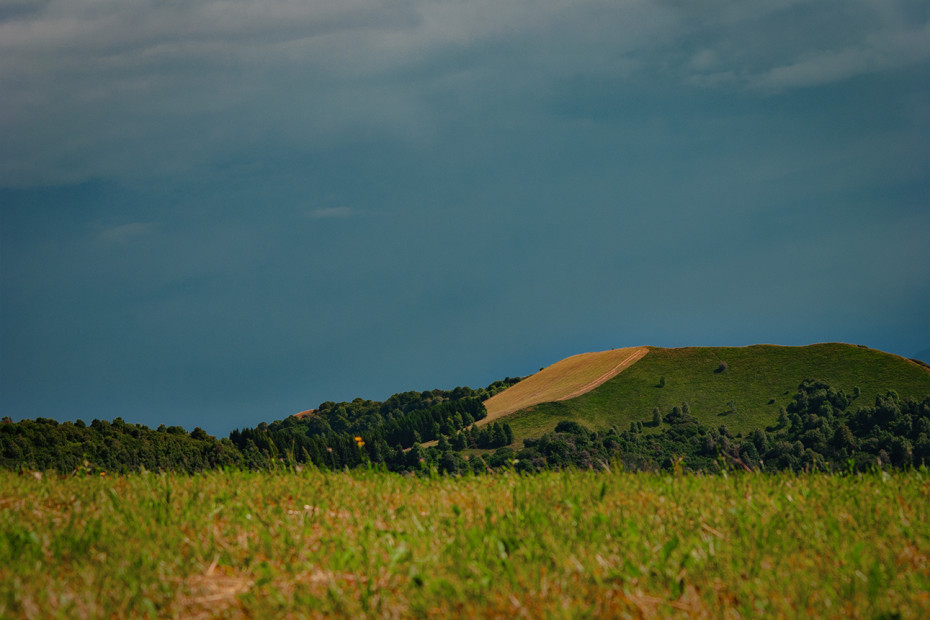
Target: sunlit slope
[563, 380]
[756, 382]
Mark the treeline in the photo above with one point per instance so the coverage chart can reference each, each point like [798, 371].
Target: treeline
[818, 431]
[335, 436]
[374, 433]
[44, 444]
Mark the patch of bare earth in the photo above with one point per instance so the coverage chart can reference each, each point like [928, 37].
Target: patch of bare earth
[210, 594]
[563, 380]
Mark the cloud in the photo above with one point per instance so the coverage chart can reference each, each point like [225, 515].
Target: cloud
[329, 213]
[769, 47]
[117, 89]
[126, 233]
[880, 51]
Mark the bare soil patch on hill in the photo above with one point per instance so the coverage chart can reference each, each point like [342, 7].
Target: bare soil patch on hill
[563, 380]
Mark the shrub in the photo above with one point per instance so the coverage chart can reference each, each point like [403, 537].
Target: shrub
[570, 426]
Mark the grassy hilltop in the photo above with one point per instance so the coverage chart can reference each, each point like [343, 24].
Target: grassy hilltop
[741, 387]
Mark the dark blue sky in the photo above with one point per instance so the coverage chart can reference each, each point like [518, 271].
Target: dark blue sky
[218, 213]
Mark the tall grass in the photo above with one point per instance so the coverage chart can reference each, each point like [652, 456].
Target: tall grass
[560, 545]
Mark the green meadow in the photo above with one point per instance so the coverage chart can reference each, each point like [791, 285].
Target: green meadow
[572, 544]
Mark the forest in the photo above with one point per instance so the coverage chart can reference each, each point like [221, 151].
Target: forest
[820, 430]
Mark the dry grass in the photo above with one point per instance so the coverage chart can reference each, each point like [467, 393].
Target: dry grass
[563, 380]
[557, 545]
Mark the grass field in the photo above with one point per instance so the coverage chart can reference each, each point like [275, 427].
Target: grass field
[560, 545]
[758, 381]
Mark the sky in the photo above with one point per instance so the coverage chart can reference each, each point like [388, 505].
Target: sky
[221, 212]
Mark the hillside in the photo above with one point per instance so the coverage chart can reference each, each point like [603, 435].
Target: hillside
[740, 387]
[563, 380]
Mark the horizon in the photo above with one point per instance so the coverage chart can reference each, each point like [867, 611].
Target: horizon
[521, 377]
[218, 214]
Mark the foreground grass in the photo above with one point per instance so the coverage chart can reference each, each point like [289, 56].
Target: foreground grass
[573, 544]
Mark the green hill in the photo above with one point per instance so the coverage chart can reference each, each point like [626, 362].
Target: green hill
[740, 387]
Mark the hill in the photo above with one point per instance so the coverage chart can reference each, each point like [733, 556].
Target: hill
[743, 388]
[563, 380]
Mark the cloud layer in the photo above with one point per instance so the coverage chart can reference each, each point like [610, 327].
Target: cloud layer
[101, 87]
[216, 213]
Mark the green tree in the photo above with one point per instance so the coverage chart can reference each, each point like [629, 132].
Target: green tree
[508, 433]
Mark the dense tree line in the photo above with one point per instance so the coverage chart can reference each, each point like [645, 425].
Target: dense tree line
[340, 435]
[335, 436]
[44, 444]
[817, 431]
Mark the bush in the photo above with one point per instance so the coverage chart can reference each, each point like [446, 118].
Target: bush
[571, 427]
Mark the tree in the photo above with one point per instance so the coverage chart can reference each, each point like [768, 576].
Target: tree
[415, 456]
[498, 436]
[901, 451]
[675, 416]
[508, 433]
[656, 416]
[450, 462]
[843, 440]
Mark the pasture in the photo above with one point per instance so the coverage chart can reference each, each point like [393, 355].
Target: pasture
[369, 544]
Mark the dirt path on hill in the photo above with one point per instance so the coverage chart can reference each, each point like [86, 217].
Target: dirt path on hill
[542, 391]
[635, 356]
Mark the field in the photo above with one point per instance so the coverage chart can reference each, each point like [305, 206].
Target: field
[563, 380]
[757, 381]
[560, 545]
